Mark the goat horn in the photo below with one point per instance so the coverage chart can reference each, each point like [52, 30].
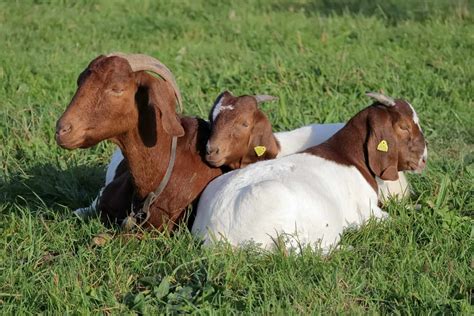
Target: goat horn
[388, 101]
[264, 98]
[140, 62]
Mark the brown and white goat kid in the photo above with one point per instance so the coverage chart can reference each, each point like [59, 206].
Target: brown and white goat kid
[241, 134]
[313, 196]
[117, 99]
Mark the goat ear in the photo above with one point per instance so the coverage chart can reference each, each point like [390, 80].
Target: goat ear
[162, 97]
[382, 146]
[262, 142]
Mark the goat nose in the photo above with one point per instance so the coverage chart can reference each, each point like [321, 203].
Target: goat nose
[63, 129]
[210, 149]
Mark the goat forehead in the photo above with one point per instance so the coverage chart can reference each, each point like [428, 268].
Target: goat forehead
[220, 106]
[408, 111]
[224, 123]
[106, 78]
[216, 107]
[414, 115]
[111, 67]
[111, 62]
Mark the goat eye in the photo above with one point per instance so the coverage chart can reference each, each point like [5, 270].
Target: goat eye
[404, 128]
[245, 124]
[116, 91]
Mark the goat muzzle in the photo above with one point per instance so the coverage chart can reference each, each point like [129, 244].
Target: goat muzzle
[67, 136]
[63, 129]
[210, 150]
[422, 162]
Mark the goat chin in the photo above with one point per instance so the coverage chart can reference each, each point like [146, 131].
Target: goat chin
[303, 196]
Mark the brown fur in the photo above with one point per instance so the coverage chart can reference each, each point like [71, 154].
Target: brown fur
[235, 133]
[356, 144]
[137, 112]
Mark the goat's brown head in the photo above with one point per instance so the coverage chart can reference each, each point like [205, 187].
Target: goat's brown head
[240, 132]
[395, 139]
[114, 94]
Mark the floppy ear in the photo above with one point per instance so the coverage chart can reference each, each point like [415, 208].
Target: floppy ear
[262, 137]
[162, 97]
[382, 149]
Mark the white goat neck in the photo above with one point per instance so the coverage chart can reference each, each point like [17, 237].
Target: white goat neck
[305, 137]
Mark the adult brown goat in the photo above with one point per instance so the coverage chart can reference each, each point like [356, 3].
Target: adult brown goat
[117, 99]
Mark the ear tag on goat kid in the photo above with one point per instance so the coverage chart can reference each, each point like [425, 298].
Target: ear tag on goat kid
[382, 146]
[260, 150]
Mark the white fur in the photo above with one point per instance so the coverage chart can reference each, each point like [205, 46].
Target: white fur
[417, 122]
[415, 116]
[422, 161]
[91, 210]
[305, 137]
[218, 108]
[117, 158]
[308, 197]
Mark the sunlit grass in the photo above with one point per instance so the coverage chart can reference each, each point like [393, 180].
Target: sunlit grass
[319, 57]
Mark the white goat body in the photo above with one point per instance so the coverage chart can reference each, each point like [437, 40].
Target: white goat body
[301, 196]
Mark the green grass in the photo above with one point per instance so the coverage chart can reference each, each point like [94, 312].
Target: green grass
[318, 57]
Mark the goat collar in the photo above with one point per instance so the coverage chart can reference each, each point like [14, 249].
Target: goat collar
[131, 220]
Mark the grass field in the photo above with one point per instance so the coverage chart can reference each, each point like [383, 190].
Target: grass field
[318, 57]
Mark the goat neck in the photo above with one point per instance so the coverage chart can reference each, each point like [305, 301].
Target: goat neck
[347, 147]
[147, 148]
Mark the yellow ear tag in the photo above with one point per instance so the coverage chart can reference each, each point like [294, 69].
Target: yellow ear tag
[382, 146]
[260, 150]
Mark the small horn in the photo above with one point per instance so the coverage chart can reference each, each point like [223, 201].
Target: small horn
[388, 101]
[264, 98]
[140, 62]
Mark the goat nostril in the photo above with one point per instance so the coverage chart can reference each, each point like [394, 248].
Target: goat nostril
[211, 150]
[61, 130]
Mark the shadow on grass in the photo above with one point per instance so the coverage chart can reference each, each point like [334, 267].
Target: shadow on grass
[392, 10]
[45, 185]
